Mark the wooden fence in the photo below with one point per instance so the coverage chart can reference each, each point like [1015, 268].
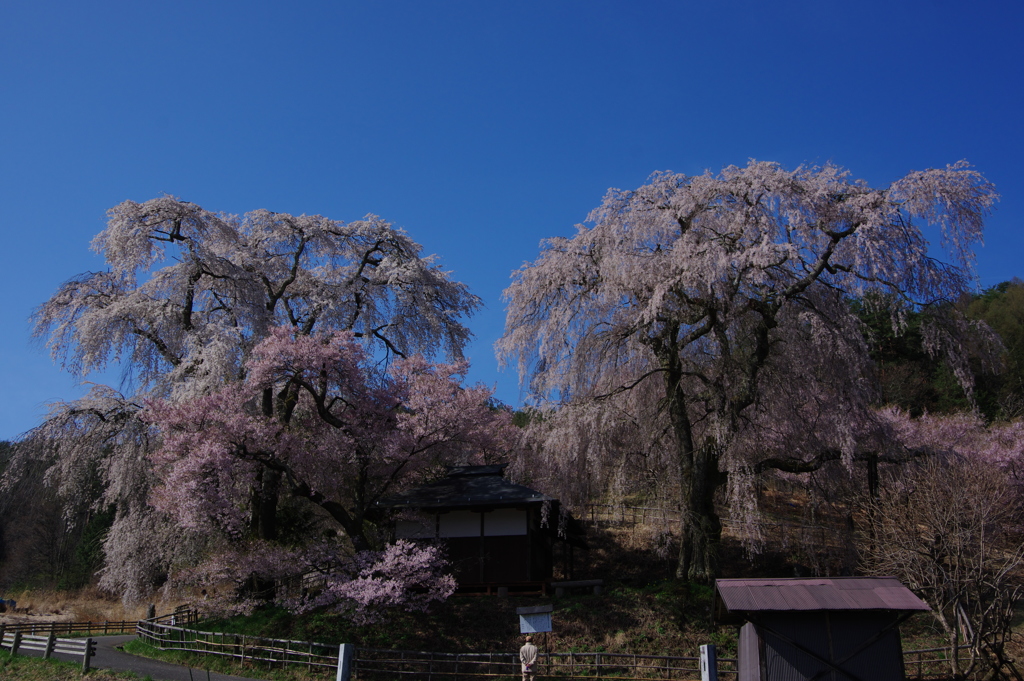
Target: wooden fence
[71, 628]
[929, 663]
[255, 650]
[618, 514]
[372, 664]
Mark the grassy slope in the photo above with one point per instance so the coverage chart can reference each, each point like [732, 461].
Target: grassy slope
[642, 611]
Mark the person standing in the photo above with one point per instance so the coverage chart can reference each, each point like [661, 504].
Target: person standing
[528, 658]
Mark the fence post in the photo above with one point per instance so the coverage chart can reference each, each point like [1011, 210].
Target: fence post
[16, 643]
[90, 646]
[50, 641]
[345, 651]
[708, 663]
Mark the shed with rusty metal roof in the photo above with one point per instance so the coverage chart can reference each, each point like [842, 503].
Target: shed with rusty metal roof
[832, 629]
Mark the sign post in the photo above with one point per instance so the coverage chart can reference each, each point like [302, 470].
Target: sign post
[708, 663]
[536, 620]
[345, 651]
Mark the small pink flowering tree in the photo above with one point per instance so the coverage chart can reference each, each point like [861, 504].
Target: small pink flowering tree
[366, 586]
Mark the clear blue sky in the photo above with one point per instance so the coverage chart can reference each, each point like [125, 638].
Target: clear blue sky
[480, 127]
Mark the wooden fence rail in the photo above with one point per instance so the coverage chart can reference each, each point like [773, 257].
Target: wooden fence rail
[624, 515]
[928, 663]
[71, 628]
[253, 649]
[372, 664]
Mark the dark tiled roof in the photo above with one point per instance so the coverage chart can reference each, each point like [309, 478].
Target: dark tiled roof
[467, 486]
[836, 593]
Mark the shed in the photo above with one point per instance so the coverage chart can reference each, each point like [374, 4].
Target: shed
[498, 533]
[835, 629]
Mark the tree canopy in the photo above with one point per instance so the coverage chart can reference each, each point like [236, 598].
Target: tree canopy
[188, 297]
[708, 318]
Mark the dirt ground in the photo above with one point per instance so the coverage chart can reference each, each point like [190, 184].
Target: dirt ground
[87, 605]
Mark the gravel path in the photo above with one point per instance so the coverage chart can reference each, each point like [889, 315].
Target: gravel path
[109, 657]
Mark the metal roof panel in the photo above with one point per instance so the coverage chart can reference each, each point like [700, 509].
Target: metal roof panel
[840, 593]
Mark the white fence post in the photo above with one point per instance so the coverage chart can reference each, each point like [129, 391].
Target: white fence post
[708, 663]
[345, 651]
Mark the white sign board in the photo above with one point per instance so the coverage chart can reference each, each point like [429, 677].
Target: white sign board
[535, 623]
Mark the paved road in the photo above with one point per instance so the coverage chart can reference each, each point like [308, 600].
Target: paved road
[109, 657]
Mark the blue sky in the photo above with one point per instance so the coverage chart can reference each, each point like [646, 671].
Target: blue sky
[480, 127]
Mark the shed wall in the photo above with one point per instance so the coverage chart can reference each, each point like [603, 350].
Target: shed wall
[833, 636]
[749, 661]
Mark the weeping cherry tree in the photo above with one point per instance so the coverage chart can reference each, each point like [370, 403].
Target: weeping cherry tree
[708, 317]
[186, 297]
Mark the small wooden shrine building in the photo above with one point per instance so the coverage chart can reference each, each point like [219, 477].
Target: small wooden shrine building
[837, 629]
[498, 533]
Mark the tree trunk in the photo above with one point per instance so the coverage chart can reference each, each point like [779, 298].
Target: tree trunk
[269, 495]
[699, 548]
[701, 530]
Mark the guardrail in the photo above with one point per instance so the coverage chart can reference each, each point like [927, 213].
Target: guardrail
[17, 641]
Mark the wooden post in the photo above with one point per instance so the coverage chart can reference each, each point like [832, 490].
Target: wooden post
[16, 643]
[50, 640]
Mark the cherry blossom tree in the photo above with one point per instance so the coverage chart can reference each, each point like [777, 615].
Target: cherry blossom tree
[367, 587]
[710, 315]
[337, 436]
[950, 528]
[187, 297]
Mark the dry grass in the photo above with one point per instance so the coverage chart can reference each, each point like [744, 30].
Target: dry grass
[85, 605]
